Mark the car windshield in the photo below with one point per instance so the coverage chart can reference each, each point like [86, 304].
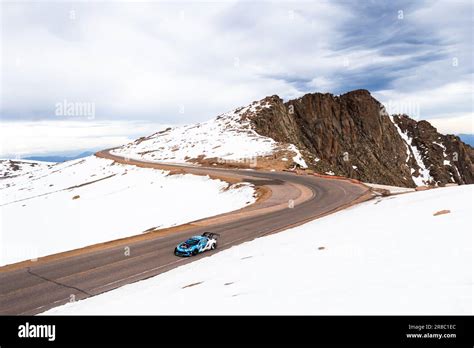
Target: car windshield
[192, 241]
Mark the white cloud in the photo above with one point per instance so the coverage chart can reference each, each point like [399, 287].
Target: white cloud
[443, 106]
[19, 139]
[455, 124]
[152, 60]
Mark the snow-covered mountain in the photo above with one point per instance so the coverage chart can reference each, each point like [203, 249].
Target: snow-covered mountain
[349, 135]
[352, 135]
[48, 209]
[229, 139]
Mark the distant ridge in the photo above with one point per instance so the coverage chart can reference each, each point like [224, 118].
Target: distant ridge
[58, 158]
[467, 138]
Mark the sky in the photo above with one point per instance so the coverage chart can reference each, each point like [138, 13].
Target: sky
[82, 75]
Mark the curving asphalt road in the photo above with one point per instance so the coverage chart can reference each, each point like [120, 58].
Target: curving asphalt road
[33, 287]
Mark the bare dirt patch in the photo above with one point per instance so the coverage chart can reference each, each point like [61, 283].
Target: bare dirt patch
[281, 159]
[442, 212]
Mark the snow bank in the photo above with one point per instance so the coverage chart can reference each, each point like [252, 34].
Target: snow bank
[92, 200]
[386, 256]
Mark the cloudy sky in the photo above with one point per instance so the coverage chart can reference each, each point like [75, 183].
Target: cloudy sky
[136, 66]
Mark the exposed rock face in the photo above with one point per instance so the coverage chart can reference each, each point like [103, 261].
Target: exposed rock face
[446, 156]
[353, 136]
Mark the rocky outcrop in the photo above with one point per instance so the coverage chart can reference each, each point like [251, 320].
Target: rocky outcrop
[447, 158]
[353, 136]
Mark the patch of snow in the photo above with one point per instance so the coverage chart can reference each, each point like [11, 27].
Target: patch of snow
[404, 136]
[424, 177]
[445, 162]
[457, 171]
[298, 158]
[63, 207]
[330, 172]
[354, 167]
[440, 145]
[316, 160]
[388, 257]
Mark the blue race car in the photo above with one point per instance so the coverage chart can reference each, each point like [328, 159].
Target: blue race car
[197, 244]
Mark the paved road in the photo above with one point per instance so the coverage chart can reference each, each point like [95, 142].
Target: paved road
[33, 287]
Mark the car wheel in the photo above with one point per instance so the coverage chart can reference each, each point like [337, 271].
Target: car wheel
[176, 251]
[195, 252]
[214, 246]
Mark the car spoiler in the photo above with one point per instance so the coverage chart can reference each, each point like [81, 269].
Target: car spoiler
[211, 235]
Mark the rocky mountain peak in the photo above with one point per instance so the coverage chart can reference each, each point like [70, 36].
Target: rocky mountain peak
[352, 135]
